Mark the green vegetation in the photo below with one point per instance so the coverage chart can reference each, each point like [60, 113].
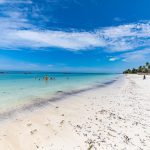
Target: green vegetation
[140, 69]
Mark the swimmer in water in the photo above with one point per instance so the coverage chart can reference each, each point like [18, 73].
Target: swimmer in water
[46, 78]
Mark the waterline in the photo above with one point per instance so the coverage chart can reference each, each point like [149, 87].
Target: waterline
[38, 103]
[19, 89]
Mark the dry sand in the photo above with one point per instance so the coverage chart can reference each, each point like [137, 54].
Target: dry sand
[116, 117]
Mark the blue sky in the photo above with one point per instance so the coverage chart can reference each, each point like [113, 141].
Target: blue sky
[74, 35]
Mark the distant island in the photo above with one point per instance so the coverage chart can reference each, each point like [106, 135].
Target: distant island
[140, 70]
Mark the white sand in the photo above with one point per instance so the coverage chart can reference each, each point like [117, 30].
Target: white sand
[116, 117]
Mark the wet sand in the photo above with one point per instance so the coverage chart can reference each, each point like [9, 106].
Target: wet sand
[115, 117]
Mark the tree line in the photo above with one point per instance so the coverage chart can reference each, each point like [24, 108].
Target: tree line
[140, 69]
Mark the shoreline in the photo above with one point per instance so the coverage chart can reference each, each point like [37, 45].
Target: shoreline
[59, 95]
[110, 118]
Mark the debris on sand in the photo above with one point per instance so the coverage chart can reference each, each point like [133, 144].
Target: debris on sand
[33, 131]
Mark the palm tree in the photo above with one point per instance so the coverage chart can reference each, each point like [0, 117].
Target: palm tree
[140, 69]
[147, 64]
[143, 69]
[149, 68]
[134, 70]
[127, 71]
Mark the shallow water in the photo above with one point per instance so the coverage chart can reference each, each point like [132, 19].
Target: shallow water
[17, 88]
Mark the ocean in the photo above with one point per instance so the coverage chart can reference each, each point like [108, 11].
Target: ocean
[18, 88]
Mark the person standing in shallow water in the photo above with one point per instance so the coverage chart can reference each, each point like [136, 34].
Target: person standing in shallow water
[46, 78]
[144, 77]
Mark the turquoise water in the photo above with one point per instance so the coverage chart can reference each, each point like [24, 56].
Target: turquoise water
[19, 88]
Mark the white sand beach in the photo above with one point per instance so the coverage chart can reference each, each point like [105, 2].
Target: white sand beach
[115, 117]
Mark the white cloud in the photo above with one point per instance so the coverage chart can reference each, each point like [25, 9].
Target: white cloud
[127, 37]
[134, 56]
[60, 39]
[15, 1]
[113, 59]
[17, 32]
[120, 38]
[2, 1]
